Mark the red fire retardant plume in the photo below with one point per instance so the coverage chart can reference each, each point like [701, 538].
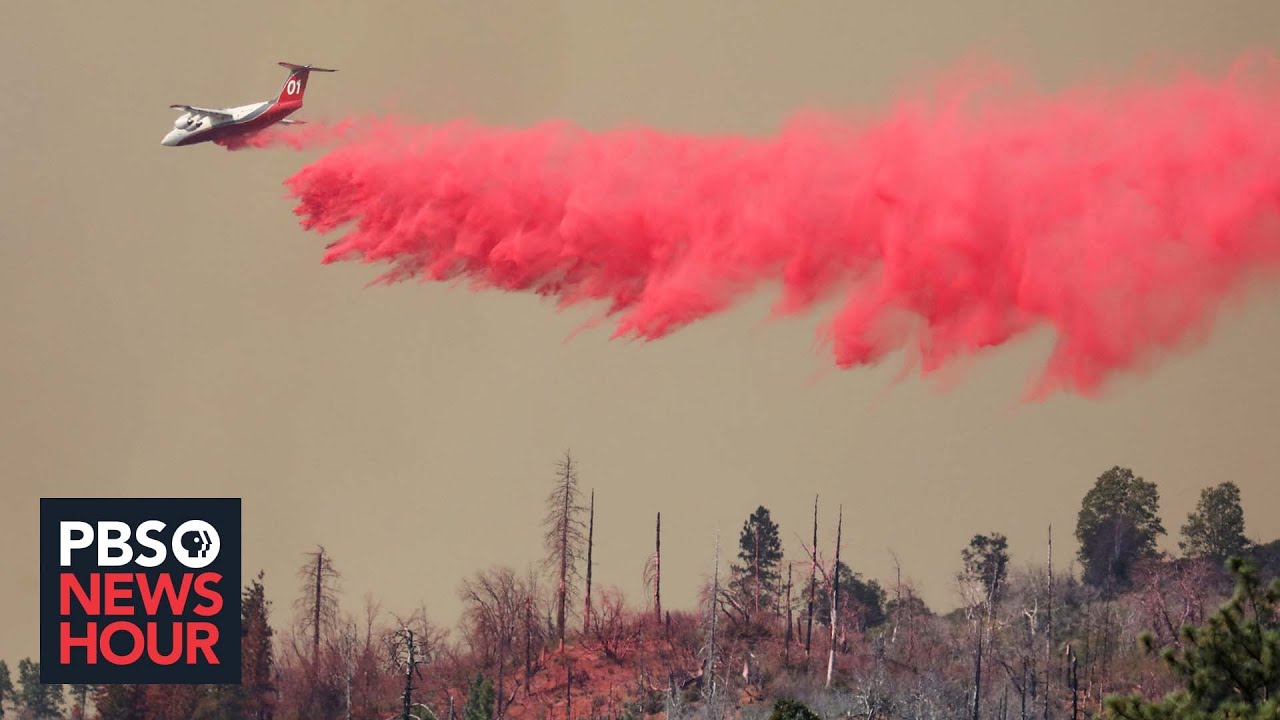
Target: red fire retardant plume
[1121, 219]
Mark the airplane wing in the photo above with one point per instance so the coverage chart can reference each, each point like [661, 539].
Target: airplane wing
[222, 114]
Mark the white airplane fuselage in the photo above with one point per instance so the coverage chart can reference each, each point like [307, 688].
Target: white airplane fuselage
[193, 127]
[197, 125]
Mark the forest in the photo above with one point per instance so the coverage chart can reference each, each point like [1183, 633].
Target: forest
[1126, 631]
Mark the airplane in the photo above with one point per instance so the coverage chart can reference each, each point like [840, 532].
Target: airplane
[227, 125]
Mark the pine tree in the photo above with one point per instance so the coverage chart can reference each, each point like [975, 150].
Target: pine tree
[757, 576]
[479, 700]
[121, 702]
[79, 701]
[986, 562]
[1230, 665]
[257, 688]
[6, 686]
[34, 698]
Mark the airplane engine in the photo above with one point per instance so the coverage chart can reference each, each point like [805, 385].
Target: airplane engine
[183, 121]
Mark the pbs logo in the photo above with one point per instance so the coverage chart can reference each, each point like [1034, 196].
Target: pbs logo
[195, 543]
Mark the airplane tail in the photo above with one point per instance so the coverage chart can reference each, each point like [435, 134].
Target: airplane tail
[296, 84]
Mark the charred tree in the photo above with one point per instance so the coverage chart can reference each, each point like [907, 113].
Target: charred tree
[317, 604]
[786, 655]
[591, 529]
[715, 615]
[1074, 680]
[565, 537]
[657, 569]
[1048, 647]
[813, 582]
[835, 597]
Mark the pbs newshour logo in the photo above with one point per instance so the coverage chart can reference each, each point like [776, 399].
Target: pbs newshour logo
[140, 590]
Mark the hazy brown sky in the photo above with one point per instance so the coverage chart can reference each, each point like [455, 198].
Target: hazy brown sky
[167, 328]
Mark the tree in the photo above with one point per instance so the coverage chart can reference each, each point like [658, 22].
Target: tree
[1215, 529]
[861, 601]
[986, 562]
[317, 617]
[1266, 557]
[80, 700]
[756, 578]
[317, 603]
[1118, 524]
[591, 534]
[788, 709]
[121, 702]
[496, 607]
[479, 700]
[6, 686]
[257, 688]
[35, 700]
[565, 536]
[1229, 666]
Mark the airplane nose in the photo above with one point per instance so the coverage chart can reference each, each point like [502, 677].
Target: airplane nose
[171, 138]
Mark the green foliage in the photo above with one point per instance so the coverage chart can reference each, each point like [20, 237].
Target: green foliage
[860, 598]
[6, 686]
[1118, 524]
[1266, 557]
[79, 699]
[480, 700]
[1215, 529]
[1230, 666]
[35, 699]
[121, 702]
[256, 693]
[788, 709]
[986, 560]
[758, 544]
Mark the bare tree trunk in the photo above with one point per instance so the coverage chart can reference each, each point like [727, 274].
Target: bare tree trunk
[709, 675]
[1075, 684]
[1022, 691]
[315, 622]
[977, 670]
[502, 674]
[528, 642]
[591, 529]
[983, 619]
[786, 656]
[813, 582]
[835, 598]
[657, 574]
[755, 565]
[1048, 643]
[564, 576]
[565, 540]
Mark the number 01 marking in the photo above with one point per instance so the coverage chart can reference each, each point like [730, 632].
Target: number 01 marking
[292, 86]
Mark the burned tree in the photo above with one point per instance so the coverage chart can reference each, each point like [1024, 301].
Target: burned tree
[317, 604]
[835, 598]
[653, 572]
[657, 570]
[565, 536]
[813, 583]
[497, 614]
[591, 531]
